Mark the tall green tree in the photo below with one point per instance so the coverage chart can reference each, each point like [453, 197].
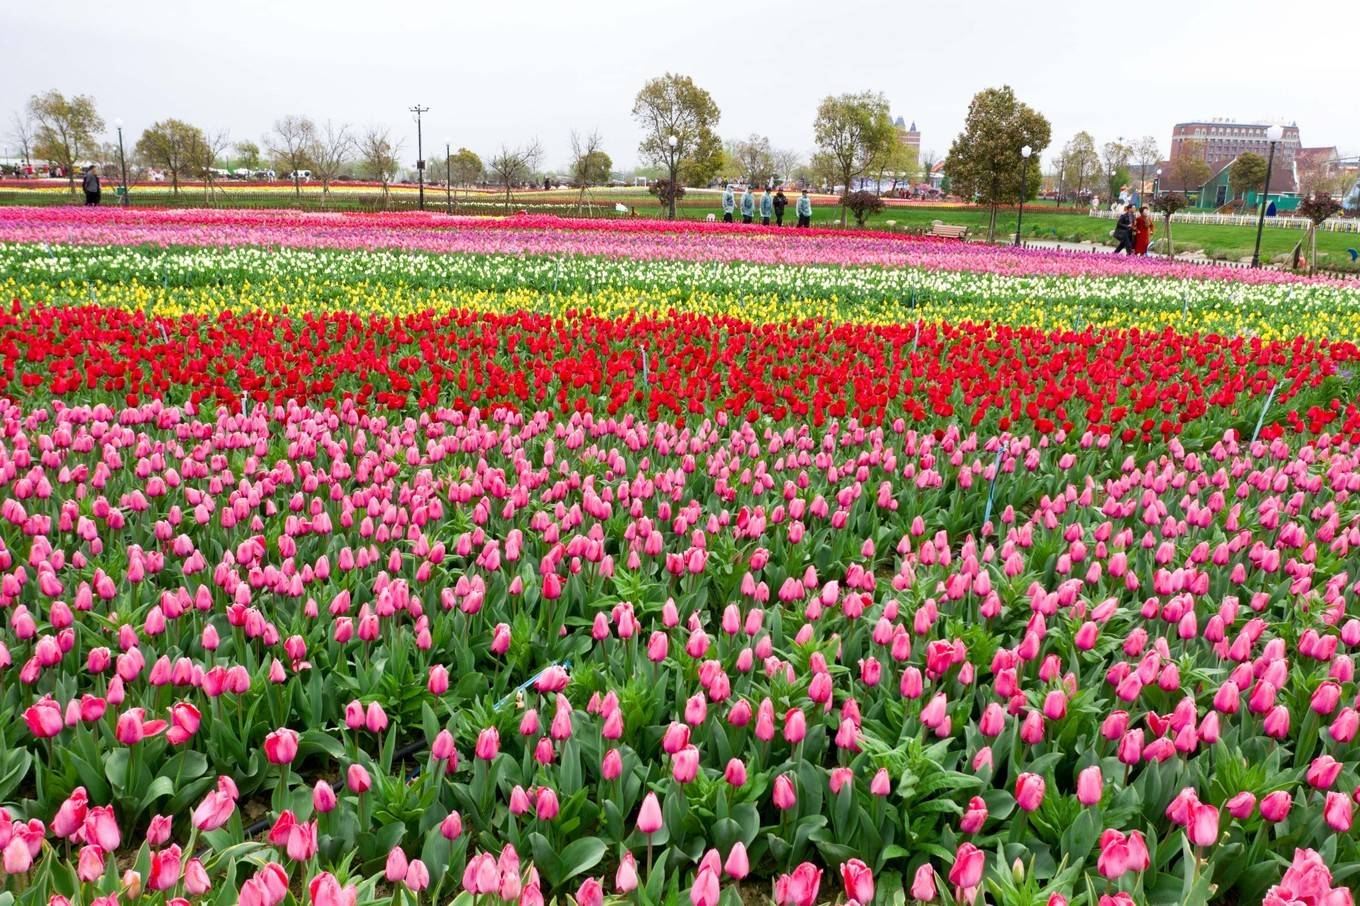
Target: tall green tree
[678, 120]
[467, 168]
[1248, 172]
[984, 162]
[173, 146]
[66, 129]
[247, 154]
[852, 130]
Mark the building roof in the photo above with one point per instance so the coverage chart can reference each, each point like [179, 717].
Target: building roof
[1283, 180]
[1316, 155]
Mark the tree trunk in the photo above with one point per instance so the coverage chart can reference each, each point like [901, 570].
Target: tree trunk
[1170, 246]
[1312, 251]
[846, 192]
[991, 225]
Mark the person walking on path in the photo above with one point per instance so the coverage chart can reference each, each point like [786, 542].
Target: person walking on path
[780, 203]
[1123, 231]
[90, 184]
[748, 205]
[729, 204]
[804, 210]
[1143, 228]
[766, 207]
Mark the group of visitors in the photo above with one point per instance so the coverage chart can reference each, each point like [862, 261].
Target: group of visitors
[1133, 231]
[769, 205]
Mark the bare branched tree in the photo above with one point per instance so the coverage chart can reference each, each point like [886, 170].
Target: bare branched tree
[211, 146]
[786, 163]
[331, 149]
[378, 158]
[590, 166]
[513, 166]
[21, 133]
[290, 145]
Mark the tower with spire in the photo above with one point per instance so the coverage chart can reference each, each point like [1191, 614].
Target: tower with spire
[908, 135]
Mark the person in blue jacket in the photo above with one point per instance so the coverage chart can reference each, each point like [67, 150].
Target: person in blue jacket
[729, 204]
[804, 209]
[748, 205]
[766, 207]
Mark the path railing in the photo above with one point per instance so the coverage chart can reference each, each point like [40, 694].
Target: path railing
[1331, 225]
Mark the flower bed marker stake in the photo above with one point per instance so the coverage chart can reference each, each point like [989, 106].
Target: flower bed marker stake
[1260, 420]
[991, 486]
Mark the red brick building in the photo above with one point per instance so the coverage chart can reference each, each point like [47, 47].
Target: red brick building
[1221, 141]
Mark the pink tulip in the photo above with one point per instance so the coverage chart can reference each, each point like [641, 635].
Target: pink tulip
[1029, 793]
[649, 819]
[968, 864]
[281, 746]
[858, 880]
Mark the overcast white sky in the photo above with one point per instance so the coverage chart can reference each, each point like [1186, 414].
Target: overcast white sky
[518, 69]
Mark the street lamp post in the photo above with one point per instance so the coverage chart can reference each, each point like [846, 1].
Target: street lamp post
[1156, 183]
[420, 154]
[672, 141]
[1025, 152]
[448, 177]
[122, 162]
[1273, 135]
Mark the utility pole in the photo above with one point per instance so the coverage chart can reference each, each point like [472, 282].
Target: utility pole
[420, 153]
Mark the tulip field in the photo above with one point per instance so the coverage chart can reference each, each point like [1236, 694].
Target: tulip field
[380, 560]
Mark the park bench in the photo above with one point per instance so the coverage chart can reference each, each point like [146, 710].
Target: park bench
[948, 231]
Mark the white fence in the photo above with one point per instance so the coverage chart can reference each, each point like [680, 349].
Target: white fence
[1333, 225]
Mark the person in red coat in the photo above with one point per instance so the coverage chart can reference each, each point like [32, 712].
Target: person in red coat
[1142, 232]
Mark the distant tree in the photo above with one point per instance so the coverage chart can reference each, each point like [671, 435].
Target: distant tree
[291, 144]
[898, 163]
[65, 131]
[21, 133]
[667, 193]
[1146, 154]
[673, 107]
[1317, 208]
[984, 162]
[754, 159]
[203, 159]
[852, 130]
[173, 146]
[247, 154]
[1081, 164]
[729, 168]
[1166, 205]
[1246, 173]
[1189, 170]
[862, 204]
[1114, 156]
[786, 163]
[378, 158]
[590, 166]
[511, 167]
[330, 151]
[467, 168]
